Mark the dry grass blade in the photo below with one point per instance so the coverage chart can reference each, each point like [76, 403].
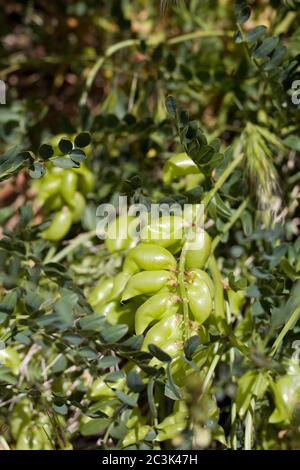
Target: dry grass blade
[165, 3]
[261, 169]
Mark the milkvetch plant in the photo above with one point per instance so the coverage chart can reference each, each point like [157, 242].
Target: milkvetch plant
[181, 337]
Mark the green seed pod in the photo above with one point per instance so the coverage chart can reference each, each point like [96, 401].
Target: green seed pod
[59, 226]
[69, 186]
[120, 281]
[166, 334]
[116, 313]
[164, 231]
[79, 206]
[118, 234]
[200, 300]
[101, 293]
[286, 392]
[155, 308]
[87, 179]
[198, 251]
[179, 165]
[148, 257]
[148, 282]
[48, 187]
[195, 276]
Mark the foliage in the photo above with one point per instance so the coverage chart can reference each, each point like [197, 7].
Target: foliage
[192, 105]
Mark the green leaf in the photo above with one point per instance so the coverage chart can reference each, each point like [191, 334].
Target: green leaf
[83, 139]
[13, 161]
[37, 170]
[130, 400]
[247, 223]
[64, 307]
[150, 397]
[64, 162]
[252, 383]
[6, 377]
[94, 426]
[159, 353]
[191, 346]
[92, 322]
[171, 105]
[132, 344]
[113, 334]
[77, 155]
[254, 34]
[108, 361]
[135, 382]
[266, 47]
[292, 142]
[289, 270]
[60, 409]
[65, 146]
[277, 57]
[46, 151]
[171, 389]
[242, 11]
[9, 302]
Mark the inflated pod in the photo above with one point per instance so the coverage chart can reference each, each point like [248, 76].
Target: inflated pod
[179, 165]
[60, 225]
[198, 250]
[155, 308]
[148, 257]
[200, 300]
[148, 282]
[164, 231]
[118, 236]
[196, 275]
[101, 293]
[166, 334]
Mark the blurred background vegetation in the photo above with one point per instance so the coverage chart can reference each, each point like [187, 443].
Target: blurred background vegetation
[106, 67]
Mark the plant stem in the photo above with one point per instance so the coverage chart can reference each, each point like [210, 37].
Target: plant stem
[248, 429]
[219, 295]
[250, 414]
[233, 411]
[199, 34]
[82, 238]
[289, 324]
[181, 279]
[219, 183]
[109, 53]
[230, 224]
[211, 370]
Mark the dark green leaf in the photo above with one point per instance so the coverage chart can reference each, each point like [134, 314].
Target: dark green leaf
[171, 105]
[113, 334]
[266, 47]
[159, 353]
[135, 382]
[254, 34]
[65, 146]
[130, 400]
[171, 389]
[46, 151]
[191, 346]
[83, 139]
